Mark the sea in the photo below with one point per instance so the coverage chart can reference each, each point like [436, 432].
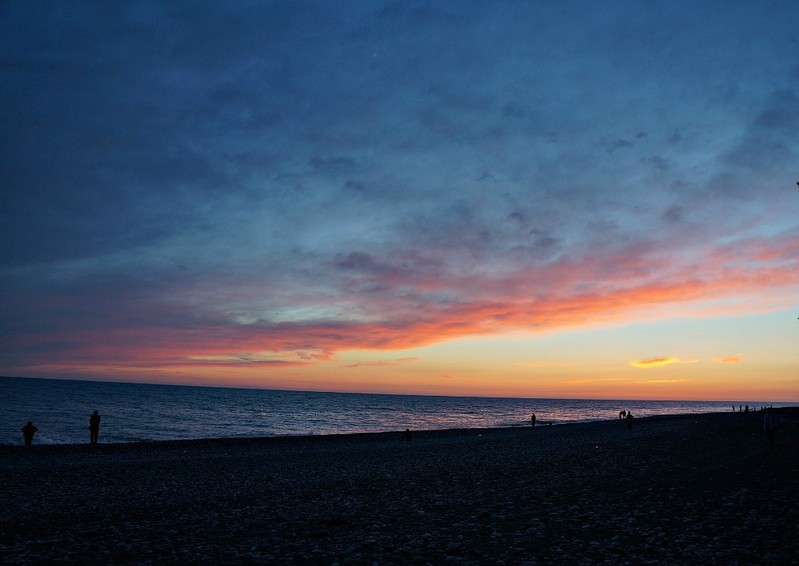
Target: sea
[133, 412]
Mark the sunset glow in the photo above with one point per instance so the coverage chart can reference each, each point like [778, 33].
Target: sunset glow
[447, 198]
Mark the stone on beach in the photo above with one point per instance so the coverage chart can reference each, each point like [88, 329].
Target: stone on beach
[675, 490]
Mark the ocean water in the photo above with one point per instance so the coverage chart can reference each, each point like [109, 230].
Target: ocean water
[139, 412]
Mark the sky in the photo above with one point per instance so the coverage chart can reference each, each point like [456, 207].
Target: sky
[511, 198]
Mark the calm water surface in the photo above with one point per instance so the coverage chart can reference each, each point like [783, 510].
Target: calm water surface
[136, 412]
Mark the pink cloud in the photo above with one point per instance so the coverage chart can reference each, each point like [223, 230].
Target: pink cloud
[415, 307]
[734, 359]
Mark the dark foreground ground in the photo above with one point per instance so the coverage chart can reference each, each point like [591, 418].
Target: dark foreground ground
[703, 489]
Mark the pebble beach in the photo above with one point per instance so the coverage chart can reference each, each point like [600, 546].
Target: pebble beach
[687, 489]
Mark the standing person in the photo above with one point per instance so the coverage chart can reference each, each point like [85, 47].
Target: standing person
[27, 433]
[629, 420]
[770, 426]
[532, 419]
[94, 427]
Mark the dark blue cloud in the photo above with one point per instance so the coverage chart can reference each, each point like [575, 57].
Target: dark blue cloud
[273, 147]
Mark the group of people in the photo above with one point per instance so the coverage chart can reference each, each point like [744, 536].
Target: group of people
[627, 417]
[745, 408]
[29, 430]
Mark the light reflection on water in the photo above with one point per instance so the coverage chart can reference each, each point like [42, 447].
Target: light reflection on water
[134, 412]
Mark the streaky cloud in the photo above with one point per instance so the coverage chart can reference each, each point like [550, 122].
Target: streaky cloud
[654, 362]
[732, 359]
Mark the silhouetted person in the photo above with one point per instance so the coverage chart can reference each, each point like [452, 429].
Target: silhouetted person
[532, 420]
[746, 409]
[770, 426]
[406, 436]
[94, 427]
[629, 420]
[27, 433]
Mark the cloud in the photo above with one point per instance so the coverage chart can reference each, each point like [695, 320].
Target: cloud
[173, 319]
[215, 185]
[654, 362]
[733, 359]
[595, 380]
[382, 363]
[270, 359]
[768, 142]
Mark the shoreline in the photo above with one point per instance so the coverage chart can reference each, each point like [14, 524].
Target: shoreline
[676, 489]
[60, 409]
[790, 414]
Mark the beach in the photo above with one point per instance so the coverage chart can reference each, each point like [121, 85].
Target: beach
[674, 490]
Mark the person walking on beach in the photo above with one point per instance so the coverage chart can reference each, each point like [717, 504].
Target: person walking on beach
[532, 420]
[94, 427]
[770, 426]
[629, 420]
[27, 433]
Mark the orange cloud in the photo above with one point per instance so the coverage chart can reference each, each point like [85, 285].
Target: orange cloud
[654, 362]
[416, 306]
[734, 359]
[594, 380]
